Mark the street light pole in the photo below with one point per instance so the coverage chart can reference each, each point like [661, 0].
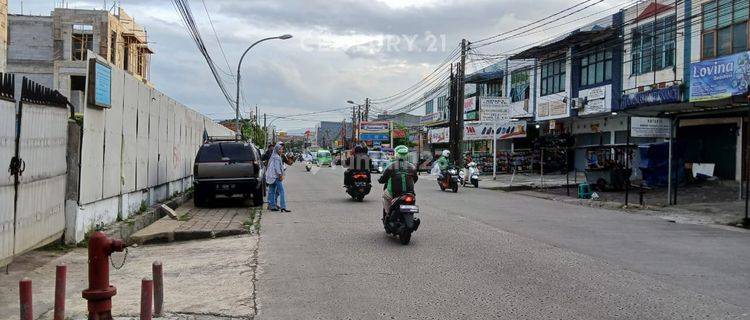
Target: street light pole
[239, 65]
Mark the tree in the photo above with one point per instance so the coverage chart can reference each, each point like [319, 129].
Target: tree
[253, 132]
[402, 141]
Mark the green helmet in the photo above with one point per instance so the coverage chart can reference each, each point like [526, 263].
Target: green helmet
[401, 151]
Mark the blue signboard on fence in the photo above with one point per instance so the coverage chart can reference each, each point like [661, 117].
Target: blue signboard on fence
[102, 85]
[720, 78]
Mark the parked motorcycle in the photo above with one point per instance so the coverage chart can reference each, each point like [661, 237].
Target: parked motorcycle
[450, 179]
[360, 186]
[470, 174]
[400, 219]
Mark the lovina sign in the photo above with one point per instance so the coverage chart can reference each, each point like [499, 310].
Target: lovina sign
[720, 78]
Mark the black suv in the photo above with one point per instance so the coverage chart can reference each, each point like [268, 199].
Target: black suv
[229, 168]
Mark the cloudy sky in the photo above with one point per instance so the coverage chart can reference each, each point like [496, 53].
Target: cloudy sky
[342, 49]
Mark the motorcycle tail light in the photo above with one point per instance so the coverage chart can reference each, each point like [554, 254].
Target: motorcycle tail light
[360, 176]
[409, 199]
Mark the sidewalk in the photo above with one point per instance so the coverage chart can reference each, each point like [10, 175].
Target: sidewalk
[198, 223]
[527, 181]
[208, 279]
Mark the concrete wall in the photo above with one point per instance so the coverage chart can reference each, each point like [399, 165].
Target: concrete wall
[30, 48]
[3, 34]
[139, 151]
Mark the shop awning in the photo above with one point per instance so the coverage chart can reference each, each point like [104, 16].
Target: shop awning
[480, 77]
[593, 32]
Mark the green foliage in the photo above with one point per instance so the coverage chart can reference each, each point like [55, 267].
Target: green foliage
[402, 141]
[253, 132]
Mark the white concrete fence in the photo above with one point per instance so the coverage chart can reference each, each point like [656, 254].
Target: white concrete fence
[136, 153]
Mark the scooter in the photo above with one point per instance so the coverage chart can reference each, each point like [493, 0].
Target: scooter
[470, 174]
[450, 179]
[400, 219]
[360, 186]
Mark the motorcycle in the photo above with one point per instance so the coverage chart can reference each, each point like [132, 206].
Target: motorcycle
[360, 186]
[470, 174]
[450, 179]
[401, 220]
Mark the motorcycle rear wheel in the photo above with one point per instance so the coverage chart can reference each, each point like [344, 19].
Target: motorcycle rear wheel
[405, 237]
[455, 188]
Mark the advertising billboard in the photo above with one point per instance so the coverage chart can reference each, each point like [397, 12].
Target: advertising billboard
[720, 78]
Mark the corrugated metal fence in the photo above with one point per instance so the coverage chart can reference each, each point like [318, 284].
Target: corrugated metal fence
[33, 140]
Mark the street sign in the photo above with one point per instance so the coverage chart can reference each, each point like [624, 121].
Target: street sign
[648, 127]
[494, 109]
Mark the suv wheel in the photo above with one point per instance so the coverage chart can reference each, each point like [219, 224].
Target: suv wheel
[258, 197]
[199, 199]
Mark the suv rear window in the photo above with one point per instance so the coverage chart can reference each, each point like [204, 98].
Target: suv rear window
[238, 151]
[214, 152]
[209, 153]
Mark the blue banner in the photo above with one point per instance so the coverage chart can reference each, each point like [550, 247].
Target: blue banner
[374, 137]
[652, 97]
[720, 78]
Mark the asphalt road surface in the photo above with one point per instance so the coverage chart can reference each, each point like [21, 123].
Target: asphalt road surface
[482, 254]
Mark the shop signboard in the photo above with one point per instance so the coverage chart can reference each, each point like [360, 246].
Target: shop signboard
[474, 131]
[649, 127]
[552, 109]
[652, 97]
[439, 135]
[399, 133]
[598, 100]
[470, 104]
[494, 109]
[720, 78]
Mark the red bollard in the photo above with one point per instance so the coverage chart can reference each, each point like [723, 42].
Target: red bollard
[158, 288]
[99, 293]
[147, 292]
[60, 279]
[24, 291]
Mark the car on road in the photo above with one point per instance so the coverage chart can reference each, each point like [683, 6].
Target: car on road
[228, 168]
[380, 160]
[324, 158]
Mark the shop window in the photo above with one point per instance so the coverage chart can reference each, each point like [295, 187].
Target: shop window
[596, 67]
[724, 28]
[654, 45]
[519, 85]
[553, 77]
[82, 39]
[429, 107]
[126, 56]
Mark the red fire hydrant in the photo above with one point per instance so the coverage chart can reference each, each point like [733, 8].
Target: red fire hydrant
[99, 294]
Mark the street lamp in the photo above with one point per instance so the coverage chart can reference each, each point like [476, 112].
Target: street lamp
[239, 65]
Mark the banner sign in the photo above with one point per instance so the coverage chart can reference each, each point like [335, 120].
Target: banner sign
[439, 135]
[470, 104]
[657, 96]
[374, 126]
[430, 118]
[494, 109]
[483, 131]
[100, 84]
[647, 127]
[374, 137]
[399, 134]
[597, 100]
[720, 78]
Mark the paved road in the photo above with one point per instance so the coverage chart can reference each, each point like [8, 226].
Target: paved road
[483, 254]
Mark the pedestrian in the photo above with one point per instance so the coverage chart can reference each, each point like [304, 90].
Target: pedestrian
[267, 155]
[274, 179]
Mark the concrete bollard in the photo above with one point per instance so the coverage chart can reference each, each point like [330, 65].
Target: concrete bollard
[60, 281]
[24, 292]
[147, 292]
[158, 288]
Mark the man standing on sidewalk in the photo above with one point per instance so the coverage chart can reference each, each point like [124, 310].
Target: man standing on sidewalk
[275, 178]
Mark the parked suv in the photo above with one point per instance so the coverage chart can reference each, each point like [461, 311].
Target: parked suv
[229, 168]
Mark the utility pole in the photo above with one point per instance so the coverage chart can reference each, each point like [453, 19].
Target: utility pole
[265, 131]
[256, 115]
[354, 129]
[457, 116]
[367, 109]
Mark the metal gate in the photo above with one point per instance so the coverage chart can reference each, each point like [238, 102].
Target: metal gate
[33, 145]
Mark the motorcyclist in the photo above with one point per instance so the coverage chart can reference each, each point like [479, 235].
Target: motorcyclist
[443, 162]
[359, 162]
[399, 178]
